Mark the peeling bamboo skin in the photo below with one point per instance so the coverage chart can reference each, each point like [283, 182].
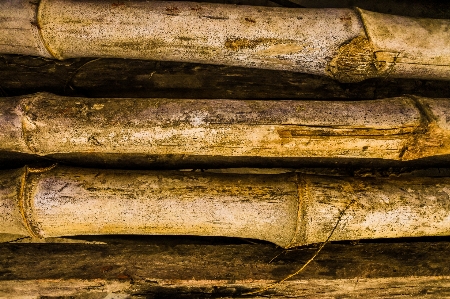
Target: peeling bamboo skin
[287, 209]
[397, 47]
[345, 44]
[435, 129]
[391, 129]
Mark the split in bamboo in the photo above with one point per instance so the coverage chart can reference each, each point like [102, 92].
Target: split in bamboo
[396, 129]
[288, 209]
[349, 45]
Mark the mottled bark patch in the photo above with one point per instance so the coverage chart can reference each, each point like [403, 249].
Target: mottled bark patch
[355, 62]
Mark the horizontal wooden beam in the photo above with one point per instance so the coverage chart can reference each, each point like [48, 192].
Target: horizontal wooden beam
[115, 78]
[161, 266]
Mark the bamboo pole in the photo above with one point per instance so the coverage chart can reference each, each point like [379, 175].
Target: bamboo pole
[287, 209]
[396, 129]
[349, 45]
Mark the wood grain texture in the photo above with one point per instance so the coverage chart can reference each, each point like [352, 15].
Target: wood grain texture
[128, 78]
[162, 267]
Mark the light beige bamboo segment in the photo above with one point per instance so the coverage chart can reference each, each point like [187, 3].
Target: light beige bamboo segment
[75, 201]
[19, 29]
[346, 44]
[287, 209]
[401, 129]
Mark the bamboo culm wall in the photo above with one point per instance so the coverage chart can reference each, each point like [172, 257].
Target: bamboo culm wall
[402, 129]
[288, 209]
[345, 44]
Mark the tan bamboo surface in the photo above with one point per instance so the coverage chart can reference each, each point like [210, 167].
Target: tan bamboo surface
[288, 209]
[349, 45]
[396, 129]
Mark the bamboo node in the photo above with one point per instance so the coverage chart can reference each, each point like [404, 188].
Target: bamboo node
[301, 184]
[23, 203]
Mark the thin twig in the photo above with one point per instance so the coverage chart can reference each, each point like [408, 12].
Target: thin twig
[76, 72]
[310, 260]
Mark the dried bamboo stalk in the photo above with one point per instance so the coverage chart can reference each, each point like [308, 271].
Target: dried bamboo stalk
[402, 129]
[348, 45]
[287, 209]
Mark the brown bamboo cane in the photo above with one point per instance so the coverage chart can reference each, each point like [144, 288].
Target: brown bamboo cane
[287, 209]
[396, 129]
[349, 45]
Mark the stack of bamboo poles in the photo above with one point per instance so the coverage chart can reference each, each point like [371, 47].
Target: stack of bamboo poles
[290, 209]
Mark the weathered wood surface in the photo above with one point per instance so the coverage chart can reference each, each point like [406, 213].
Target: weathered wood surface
[20, 75]
[403, 287]
[290, 209]
[347, 45]
[162, 267]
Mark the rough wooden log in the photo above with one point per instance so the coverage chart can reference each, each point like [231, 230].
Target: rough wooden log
[398, 287]
[286, 209]
[402, 129]
[164, 267]
[132, 78]
[345, 44]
